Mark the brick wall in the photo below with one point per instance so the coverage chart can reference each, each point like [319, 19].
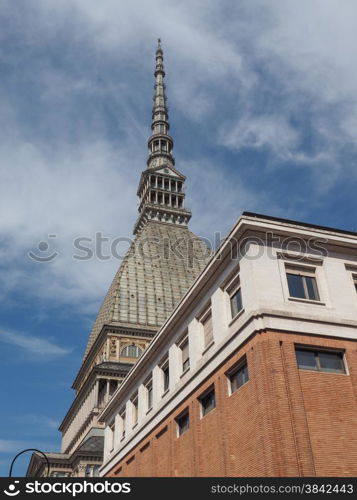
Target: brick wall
[282, 422]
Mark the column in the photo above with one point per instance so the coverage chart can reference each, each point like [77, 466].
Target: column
[107, 392]
[96, 393]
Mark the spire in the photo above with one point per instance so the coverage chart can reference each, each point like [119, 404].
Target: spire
[160, 143]
[161, 187]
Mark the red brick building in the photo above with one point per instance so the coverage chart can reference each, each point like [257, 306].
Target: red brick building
[282, 422]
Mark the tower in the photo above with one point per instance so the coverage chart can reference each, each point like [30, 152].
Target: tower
[161, 187]
[162, 262]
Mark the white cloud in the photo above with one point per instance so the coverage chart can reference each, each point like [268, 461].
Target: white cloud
[269, 131]
[218, 57]
[33, 345]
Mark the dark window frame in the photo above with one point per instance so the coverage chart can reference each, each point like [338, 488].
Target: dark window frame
[204, 401]
[232, 295]
[241, 366]
[185, 363]
[317, 352]
[183, 425]
[149, 394]
[165, 370]
[308, 283]
[232, 287]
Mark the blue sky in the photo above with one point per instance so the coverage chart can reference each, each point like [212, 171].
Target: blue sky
[263, 111]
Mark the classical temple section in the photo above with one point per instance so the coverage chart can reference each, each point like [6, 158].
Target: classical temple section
[162, 262]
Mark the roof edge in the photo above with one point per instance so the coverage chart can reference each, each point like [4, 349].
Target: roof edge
[298, 223]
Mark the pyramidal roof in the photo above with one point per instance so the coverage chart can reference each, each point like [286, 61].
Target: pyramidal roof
[161, 264]
[165, 257]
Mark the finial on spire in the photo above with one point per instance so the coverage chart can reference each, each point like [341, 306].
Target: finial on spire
[160, 143]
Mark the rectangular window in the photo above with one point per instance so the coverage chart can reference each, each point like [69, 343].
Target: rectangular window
[236, 302]
[185, 358]
[165, 376]
[208, 401]
[302, 283]
[323, 361]
[149, 394]
[134, 402]
[183, 422]
[238, 376]
[206, 322]
[233, 289]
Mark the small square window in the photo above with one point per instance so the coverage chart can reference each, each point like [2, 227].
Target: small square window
[302, 283]
[236, 302]
[183, 422]
[208, 401]
[320, 360]
[238, 376]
